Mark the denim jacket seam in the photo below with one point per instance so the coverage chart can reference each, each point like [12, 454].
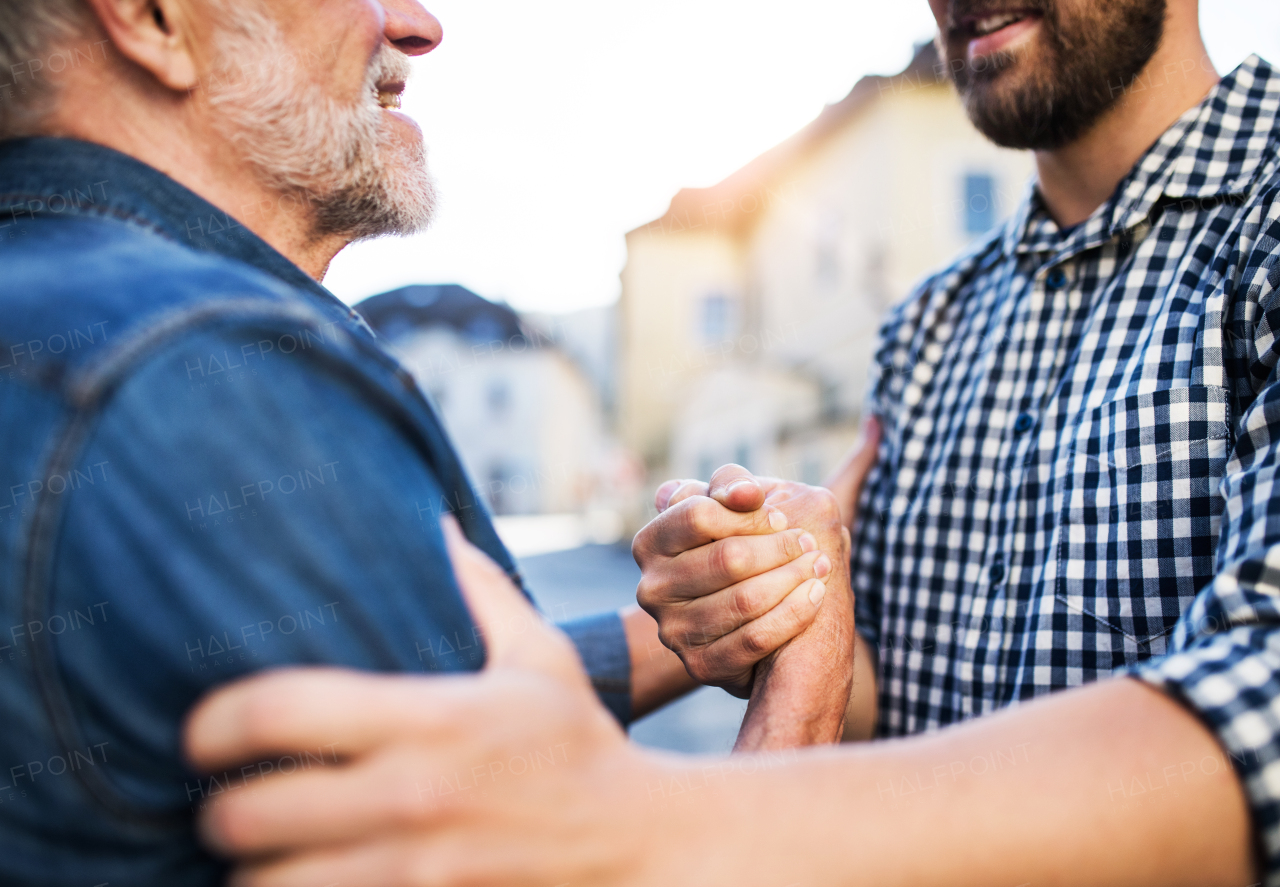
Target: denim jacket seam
[115, 213]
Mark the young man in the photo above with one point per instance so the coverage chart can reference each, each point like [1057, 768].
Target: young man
[209, 465]
[1074, 493]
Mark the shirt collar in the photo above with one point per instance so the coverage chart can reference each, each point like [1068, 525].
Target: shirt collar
[51, 176]
[1212, 151]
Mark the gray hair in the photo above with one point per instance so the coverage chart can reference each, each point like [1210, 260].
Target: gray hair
[30, 32]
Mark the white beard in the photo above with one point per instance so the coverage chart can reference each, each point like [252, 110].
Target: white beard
[335, 158]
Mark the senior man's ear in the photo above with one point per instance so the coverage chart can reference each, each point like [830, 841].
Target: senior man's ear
[156, 35]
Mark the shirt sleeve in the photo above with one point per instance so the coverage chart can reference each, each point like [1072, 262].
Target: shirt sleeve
[602, 645]
[868, 559]
[1224, 659]
[883, 391]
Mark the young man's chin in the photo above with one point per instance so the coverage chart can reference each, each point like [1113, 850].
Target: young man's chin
[1002, 79]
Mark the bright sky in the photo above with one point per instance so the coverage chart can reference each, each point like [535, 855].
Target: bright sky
[556, 127]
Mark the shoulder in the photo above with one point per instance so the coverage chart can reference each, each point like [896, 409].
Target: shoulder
[64, 274]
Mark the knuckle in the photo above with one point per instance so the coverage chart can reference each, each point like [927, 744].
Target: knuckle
[717, 562]
[708, 666]
[745, 604]
[755, 642]
[826, 503]
[648, 543]
[640, 544]
[668, 637]
[734, 557]
[695, 662]
[649, 592]
[789, 542]
[699, 516]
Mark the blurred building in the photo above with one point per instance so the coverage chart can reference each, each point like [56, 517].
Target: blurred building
[749, 310]
[525, 415]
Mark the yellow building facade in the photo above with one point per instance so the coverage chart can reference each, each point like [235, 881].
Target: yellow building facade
[749, 310]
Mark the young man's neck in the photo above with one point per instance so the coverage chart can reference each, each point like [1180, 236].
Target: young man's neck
[1077, 179]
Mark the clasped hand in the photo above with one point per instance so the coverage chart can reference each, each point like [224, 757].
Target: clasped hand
[748, 580]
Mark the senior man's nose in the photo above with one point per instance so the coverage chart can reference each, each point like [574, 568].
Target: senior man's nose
[410, 28]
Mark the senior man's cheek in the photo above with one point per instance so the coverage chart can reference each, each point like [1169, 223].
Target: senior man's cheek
[333, 40]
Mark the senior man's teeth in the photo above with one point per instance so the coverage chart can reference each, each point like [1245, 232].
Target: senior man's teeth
[389, 99]
[991, 24]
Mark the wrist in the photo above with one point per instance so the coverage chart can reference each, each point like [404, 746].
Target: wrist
[657, 674]
[802, 691]
[792, 707]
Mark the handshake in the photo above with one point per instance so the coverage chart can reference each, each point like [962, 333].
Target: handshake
[748, 580]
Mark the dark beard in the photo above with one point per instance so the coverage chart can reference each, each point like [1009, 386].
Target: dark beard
[1080, 69]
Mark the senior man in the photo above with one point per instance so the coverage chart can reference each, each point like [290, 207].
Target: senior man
[1073, 510]
[210, 466]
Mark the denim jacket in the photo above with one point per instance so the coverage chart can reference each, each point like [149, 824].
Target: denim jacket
[208, 466]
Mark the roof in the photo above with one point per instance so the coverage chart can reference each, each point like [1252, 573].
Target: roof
[409, 309]
[730, 204]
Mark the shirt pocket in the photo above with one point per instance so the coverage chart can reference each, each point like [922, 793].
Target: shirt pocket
[1140, 519]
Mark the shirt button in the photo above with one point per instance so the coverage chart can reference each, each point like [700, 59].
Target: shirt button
[1023, 423]
[1057, 279]
[996, 571]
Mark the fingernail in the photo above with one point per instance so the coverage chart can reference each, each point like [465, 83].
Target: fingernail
[777, 520]
[808, 543]
[822, 566]
[817, 592]
[739, 483]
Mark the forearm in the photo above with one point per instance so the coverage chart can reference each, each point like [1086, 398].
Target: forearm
[864, 699]
[657, 675]
[1114, 784]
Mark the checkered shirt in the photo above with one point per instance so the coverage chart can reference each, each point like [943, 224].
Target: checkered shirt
[1082, 439]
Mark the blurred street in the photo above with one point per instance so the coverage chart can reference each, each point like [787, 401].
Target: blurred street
[593, 578]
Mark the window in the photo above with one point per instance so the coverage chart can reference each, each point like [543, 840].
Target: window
[979, 202]
[715, 320]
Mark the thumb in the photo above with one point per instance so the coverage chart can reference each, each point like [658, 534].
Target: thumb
[736, 488]
[515, 634]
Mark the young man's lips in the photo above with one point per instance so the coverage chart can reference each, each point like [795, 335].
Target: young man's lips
[992, 41]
